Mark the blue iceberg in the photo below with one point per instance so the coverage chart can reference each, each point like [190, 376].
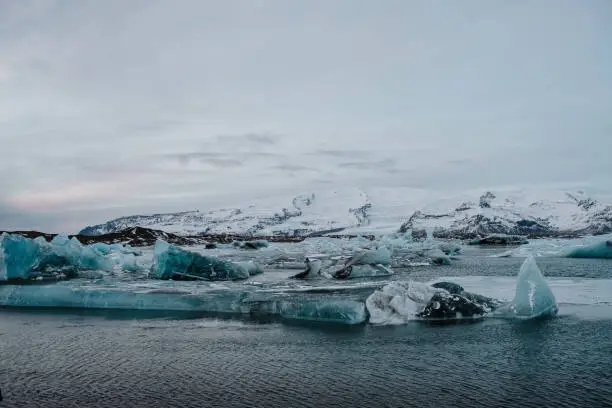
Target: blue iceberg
[598, 250]
[377, 256]
[24, 258]
[172, 262]
[533, 297]
[251, 267]
[328, 311]
[178, 296]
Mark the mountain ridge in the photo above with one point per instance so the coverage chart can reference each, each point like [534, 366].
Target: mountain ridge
[353, 211]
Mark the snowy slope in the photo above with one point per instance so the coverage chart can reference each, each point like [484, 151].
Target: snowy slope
[301, 215]
[384, 210]
[522, 212]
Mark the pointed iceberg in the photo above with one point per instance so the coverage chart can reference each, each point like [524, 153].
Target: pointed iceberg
[533, 297]
[172, 262]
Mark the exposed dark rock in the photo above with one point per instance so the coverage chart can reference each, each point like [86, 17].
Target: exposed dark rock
[457, 303]
[139, 237]
[486, 198]
[451, 306]
[500, 240]
[450, 287]
[361, 213]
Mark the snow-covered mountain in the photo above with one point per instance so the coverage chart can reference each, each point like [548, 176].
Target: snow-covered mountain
[554, 213]
[327, 211]
[383, 210]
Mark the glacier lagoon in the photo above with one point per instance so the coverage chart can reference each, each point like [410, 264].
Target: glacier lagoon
[320, 339]
[231, 280]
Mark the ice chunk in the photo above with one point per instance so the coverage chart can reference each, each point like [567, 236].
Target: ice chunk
[399, 302]
[313, 269]
[24, 258]
[328, 311]
[380, 255]
[171, 262]
[438, 257]
[450, 248]
[251, 267]
[533, 297]
[180, 297]
[18, 256]
[367, 271]
[601, 249]
[257, 244]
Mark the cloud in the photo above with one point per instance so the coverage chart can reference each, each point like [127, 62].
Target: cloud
[112, 106]
[266, 139]
[386, 165]
[340, 153]
[293, 168]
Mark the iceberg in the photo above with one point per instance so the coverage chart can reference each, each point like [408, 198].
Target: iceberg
[400, 302]
[450, 248]
[377, 256]
[24, 258]
[533, 297]
[368, 263]
[172, 262]
[179, 297]
[18, 256]
[251, 267]
[328, 311]
[368, 271]
[601, 249]
[313, 269]
[438, 257]
[257, 244]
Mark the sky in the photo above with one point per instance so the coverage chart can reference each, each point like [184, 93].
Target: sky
[111, 108]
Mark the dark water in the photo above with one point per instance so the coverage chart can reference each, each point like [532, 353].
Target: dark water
[63, 358]
[78, 359]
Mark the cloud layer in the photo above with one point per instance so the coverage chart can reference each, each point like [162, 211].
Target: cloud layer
[114, 107]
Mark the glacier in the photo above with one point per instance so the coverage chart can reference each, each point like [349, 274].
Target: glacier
[602, 249]
[172, 262]
[533, 297]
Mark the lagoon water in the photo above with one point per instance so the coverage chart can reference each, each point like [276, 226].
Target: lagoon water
[108, 358]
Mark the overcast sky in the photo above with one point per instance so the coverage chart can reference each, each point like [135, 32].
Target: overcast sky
[110, 108]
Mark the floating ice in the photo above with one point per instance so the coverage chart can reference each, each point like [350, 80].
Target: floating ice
[171, 262]
[399, 302]
[368, 271]
[602, 249]
[450, 248]
[257, 244]
[313, 269]
[251, 267]
[200, 298]
[533, 297]
[438, 257]
[378, 256]
[25, 258]
[328, 311]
